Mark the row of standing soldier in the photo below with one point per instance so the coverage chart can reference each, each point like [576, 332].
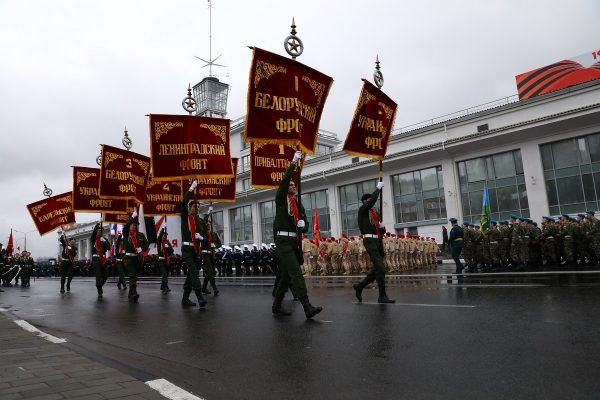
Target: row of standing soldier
[14, 267]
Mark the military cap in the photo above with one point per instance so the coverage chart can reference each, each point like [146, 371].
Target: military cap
[453, 220]
[466, 223]
[591, 212]
[477, 227]
[534, 223]
[581, 215]
[365, 196]
[521, 219]
[493, 222]
[565, 216]
[546, 217]
[504, 222]
[513, 216]
[471, 226]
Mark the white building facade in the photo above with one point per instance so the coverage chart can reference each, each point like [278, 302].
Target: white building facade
[538, 157]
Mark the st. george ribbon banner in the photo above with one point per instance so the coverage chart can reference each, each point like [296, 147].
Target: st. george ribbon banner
[285, 101]
[52, 213]
[86, 183]
[124, 174]
[185, 146]
[372, 124]
[120, 218]
[163, 198]
[268, 163]
[215, 189]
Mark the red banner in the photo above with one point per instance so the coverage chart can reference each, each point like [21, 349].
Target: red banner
[268, 163]
[215, 189]
[184, 146]
[124, 174]
[285, 101]
[52, 213]
[560, 75]
[372, 123]
[120, 218]
[163, 198]
[85, 193]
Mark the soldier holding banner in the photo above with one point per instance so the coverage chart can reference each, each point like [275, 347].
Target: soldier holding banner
[209, 244]
[191, 226]
[120, 256]
[68, 255]
[135, 243]
[165, 252]
[289, 219]
[99, 248]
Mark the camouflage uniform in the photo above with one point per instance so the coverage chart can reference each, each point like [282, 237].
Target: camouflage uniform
[494, 237]
[550, 232]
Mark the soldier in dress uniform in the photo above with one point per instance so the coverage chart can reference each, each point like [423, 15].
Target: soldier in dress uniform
[209, 244]
[290, 218]
[467, 251]
[456, 241]
[165, 252]
[100, 246]
[68, 254]
[371, 229]
[550, 231]
[567, 234]
[476, 241]
[122, 284]
[247, 259]
[535, 250]
[307, 267]
[26, 268]
[191, 226]
[515, 241]
[135, 243]
[494, 239]
[238, 260]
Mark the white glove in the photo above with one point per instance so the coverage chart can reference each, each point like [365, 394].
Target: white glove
[300, 223]
[69, 247]
[139, 249]
[134, 214]
[199, 236]
[193, 187]
[380, 185]
[382, 225]
[297, 156]
[212, 245]
[210, 209]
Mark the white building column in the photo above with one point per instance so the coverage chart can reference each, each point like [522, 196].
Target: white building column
[226, 225]
[256, 234]
[451, 189]
[389, 218]
[333, 201]
[534, 180]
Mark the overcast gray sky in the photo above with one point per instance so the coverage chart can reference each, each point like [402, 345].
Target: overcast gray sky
[74, 73]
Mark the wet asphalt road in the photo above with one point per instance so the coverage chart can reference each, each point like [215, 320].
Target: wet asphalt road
[493, 337]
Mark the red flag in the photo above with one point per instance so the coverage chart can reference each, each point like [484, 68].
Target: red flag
[9, 246]
[316, 231]
[18, 248]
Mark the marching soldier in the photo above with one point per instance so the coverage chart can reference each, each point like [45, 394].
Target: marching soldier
[344, 255]
[99, 248]
[535, 251]
[494, 242]
[135, 243]
[323, 257]
[467, 250]
[593, 233]
[68, 254]
[238, 259]
[191, 226]
[307, 267]
[121, 258]
[371, 229]
[550, 231]
[505, 236]
[209, 245]
[27, 269]
[456, 240]
[335, 252]
[515, 242]
[165, 252]
[289, 219]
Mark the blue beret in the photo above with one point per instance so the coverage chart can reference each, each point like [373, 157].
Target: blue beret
[493, 222]
[476, 226]
[466, 223]
[521, 219]
[591, 212]
[582, 215]
[471, 226]
[534, 223]
[513, 216]
[565, 215]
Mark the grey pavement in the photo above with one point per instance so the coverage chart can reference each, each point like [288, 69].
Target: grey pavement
[495, 336]
[33, 368]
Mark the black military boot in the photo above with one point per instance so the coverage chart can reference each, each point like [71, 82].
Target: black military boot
[383, 299]
[119, 285]
[358, 288]
[214, 287]
[69, 279]
[166, 288]
[135, 295]
[185, 301]
[162, 286]
[205, 286]
[130, 292]
[309, 310]
[201, 301]
[277, 308]
[124, 285]
[62, 285]
[99, 292]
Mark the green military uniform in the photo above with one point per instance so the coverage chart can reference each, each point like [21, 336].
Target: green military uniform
[26, 270]
[133, 263]
[287, 252]
[374, 246]
[515, 243]
[188, 253]
[477, 242]
[535, 251]
[524, 242]
[99, 259]
[162, 260]
[568, 233]
[68, 255]
[121, 260]
[208, 257]
[456, 240]
[550, 232]
[593, 232]
[494, 237]
[467, 250]
[505, 235]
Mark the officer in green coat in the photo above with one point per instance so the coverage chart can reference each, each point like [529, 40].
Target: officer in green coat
[191, 227]
[99, 248]
[210, 244]
[165, 252]
[456, 241]
[290, 220]
[26, 268]
[135, 243]
[68, 254]
[372, 231]
[121, 260]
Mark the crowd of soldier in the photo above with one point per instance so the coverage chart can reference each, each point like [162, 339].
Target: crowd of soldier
[521, 244]
[17, 266]
[348, 256]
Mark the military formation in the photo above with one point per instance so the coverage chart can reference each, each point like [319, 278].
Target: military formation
[15, 267]
[521, 244]
[348, 255]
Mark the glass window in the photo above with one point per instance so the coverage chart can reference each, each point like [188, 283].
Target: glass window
[419, 195]
[267, 216]
[218, 225]
[503, 175]
[244, 164]
[350, 202]
[241, 224]
[313, 202]
[570, 181]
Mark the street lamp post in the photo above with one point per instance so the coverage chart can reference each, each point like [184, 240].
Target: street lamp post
[25, 234]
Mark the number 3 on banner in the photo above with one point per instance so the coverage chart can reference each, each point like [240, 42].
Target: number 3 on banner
[128, 161]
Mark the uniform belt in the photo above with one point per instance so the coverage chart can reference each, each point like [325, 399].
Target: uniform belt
[527, 236]
[370, 235]
[458, 239]
[207, 251]
[188, 243]
[505, 238]
[95, 255]
[131, 254]
[161, 258]
[567, 236]
[290, 234]
[550, 237]
[494, 242]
